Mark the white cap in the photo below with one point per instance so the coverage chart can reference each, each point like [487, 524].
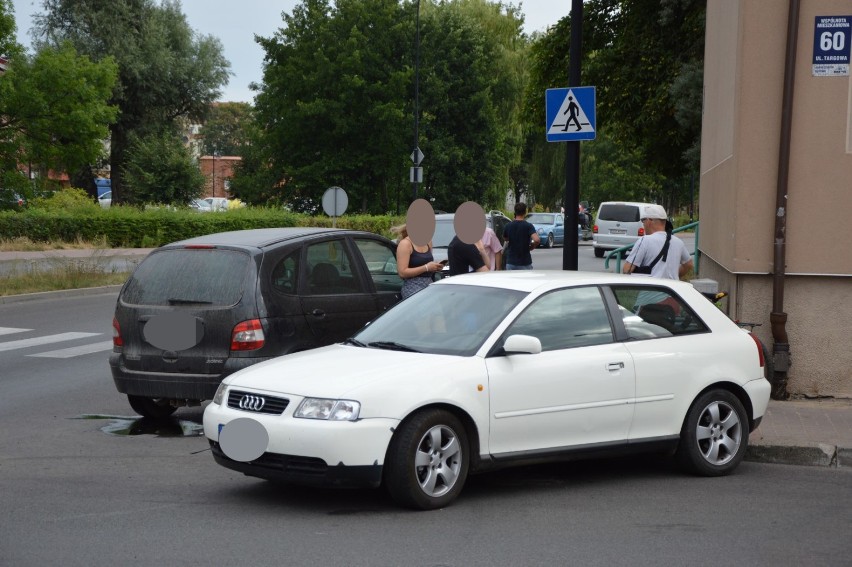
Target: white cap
[654, 212]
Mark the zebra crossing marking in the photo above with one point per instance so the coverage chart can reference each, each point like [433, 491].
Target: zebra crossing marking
[38, 341]
[12, 330]
[75, 351]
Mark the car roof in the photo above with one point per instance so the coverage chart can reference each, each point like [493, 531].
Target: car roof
[262, 237]
[634, 203]
[451, 216]
[531, 280]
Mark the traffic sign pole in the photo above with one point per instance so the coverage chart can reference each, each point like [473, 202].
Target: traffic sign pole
[572, 160]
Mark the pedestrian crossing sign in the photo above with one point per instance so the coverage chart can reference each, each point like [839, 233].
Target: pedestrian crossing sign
[570, 114]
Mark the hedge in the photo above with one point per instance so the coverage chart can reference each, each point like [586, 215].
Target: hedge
[128, 227]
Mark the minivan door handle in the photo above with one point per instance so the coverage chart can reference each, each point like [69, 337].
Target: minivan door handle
[318, 313]
[614, 366]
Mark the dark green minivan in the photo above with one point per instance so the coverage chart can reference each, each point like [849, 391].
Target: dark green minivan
[198, 310]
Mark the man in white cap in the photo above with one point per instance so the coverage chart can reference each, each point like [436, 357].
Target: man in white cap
[658, 253]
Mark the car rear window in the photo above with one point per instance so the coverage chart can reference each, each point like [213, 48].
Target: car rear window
[619, 213]
[188, 277]
[539, 218]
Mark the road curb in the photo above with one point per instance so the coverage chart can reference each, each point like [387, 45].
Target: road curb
[817, 455]
[62, 293]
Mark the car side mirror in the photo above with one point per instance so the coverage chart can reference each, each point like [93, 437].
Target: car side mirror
[522, 344]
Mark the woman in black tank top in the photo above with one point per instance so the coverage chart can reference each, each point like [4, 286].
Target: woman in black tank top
[415, 267]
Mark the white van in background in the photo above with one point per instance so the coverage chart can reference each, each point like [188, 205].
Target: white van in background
[617, 224]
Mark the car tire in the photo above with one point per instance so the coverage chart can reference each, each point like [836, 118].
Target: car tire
[549, 241]
[427, 460]
[714, 436]
[154, 408]
[599, 252]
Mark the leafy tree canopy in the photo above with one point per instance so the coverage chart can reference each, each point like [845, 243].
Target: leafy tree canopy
[226, 129]
[160, 169]
[54, 112]
[165, 70]
[645, 58]
[336, 105]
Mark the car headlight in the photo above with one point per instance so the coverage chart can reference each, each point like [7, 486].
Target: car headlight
[333, 410]
[220, 394]
[541, 230]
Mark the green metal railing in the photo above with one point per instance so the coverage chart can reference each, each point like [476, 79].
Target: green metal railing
[617, 253]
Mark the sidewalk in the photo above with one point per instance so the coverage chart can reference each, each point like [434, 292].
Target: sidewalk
[815, 432]
[804, 432]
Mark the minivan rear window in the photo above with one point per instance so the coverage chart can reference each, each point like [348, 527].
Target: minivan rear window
[619, 213]
[178, 276]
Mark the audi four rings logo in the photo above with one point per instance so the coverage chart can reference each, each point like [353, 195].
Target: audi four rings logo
[253, 403]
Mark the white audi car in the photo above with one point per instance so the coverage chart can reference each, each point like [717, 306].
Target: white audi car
[489, 370]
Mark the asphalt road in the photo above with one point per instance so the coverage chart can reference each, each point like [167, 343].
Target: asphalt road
[84, 482]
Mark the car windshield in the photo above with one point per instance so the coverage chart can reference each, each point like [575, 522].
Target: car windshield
[442, 319]
[188, 277]
[539, 218]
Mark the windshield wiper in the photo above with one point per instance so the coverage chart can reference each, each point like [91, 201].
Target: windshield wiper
[390, 345]
[176, 301]
[354, 342]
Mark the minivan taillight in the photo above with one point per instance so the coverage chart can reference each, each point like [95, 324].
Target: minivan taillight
[247, 335]
[117, 341]
[641, 231]
[595, 229]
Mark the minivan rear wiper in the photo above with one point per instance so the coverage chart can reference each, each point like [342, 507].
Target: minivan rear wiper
[354, 342]
[390, 345]
[177, 301]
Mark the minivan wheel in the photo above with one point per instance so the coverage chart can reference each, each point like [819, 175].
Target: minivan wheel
[550, 241]
[155, 408]
[427, 461]
[599, 252]
[714, 437]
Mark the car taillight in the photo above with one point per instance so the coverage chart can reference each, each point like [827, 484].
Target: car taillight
[595, 229]
[117, 341]
[759, 349]
[247, 335]
[641, 232]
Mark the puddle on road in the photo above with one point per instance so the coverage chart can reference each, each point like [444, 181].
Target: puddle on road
[125, 426]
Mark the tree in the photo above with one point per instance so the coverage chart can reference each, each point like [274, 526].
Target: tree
[646, 58]
[159, 169]
[225, 131]
[336, 103]
[53, 112]
[474, 76]
[166, 71]
[9, 47]
[333, 100]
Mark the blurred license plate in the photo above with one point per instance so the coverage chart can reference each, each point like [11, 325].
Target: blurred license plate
[617, 231]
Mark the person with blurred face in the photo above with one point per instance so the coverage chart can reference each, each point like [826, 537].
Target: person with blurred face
[658, 253]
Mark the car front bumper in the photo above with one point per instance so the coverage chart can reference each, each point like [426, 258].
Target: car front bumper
[307, 451]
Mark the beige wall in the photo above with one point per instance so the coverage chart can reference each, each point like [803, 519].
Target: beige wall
[743, 88]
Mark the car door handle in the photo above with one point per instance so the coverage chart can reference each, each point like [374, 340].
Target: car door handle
[318, 313]
[613, 366]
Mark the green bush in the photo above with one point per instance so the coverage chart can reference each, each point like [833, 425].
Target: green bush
[129, 227]
[71, 199]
